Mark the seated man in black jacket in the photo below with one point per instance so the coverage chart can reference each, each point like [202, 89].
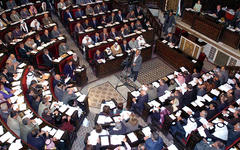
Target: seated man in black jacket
[46, 37]
[24, 51]
[47, 59]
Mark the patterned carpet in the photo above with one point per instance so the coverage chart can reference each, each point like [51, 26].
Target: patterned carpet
[101, 92]
[153, 70]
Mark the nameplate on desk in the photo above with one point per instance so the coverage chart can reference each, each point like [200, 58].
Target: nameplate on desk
[84, 17]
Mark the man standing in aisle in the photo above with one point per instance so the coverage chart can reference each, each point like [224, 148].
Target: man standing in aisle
[136, 65]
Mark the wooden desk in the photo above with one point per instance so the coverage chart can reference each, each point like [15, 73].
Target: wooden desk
[173, 56]
[207, 27]
[188, 17]
[81, 77]
[112, 66]
[231, 38]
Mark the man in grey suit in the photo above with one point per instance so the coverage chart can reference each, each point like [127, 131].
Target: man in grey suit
[68, 96]
[15, 16]
[63, 48]
[133, 43]
[136, 65]
[26, 127]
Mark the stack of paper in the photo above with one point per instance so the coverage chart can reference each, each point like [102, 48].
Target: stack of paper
[46, 129]
[59, 134]
[154, 103]
[38, 121]
[52, 132]
[132, 137]
[135, 93]
[5, 137]
[81, 98]
[1, 130]
[104, 140]
[156, 84]
[207, 97]
[215, 92]
[172, 147]
[171, 76]
[116, 139]
[70, 111]
[147, 131]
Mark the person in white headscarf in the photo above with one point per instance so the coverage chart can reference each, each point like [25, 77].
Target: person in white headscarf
[23, 27]
[107, 52]
[87, 41]
[116, 49]
[35, 25]
[141, 41]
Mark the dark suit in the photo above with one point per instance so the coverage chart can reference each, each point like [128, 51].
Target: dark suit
[85, 26]
[67, 16]
[139, 105]
[45, 38]
[188, 97]
[46, 61]
[104, 20]
[112, 19]
[96, 39]
[232, 135]
[119, 18]
[8, 76]
[104, 35]
[219, 14]
[132, 28]
[161, 90]
[94, 24]
[23, 52]
[17, 34]
[125, 47]
[135, 69]
[104, 8]
[97, 57]
[122, 33]
[79, 14]
[113, 35]
[138, 13]
[38, 42]
[171, 39]
[68, 70]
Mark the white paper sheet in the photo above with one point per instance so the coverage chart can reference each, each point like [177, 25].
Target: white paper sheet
[132, 137]
[104, 140]
[59, 134]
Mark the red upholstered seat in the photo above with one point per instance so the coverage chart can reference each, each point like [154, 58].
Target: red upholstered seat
[3, 62]
[63, 63]
[51, 87]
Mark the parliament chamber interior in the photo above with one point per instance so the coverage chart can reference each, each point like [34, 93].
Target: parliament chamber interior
[119, 75]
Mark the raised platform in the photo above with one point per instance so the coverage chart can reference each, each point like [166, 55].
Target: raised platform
[231, 55]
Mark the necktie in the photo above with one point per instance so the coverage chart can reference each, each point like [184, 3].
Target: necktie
[70, 15]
